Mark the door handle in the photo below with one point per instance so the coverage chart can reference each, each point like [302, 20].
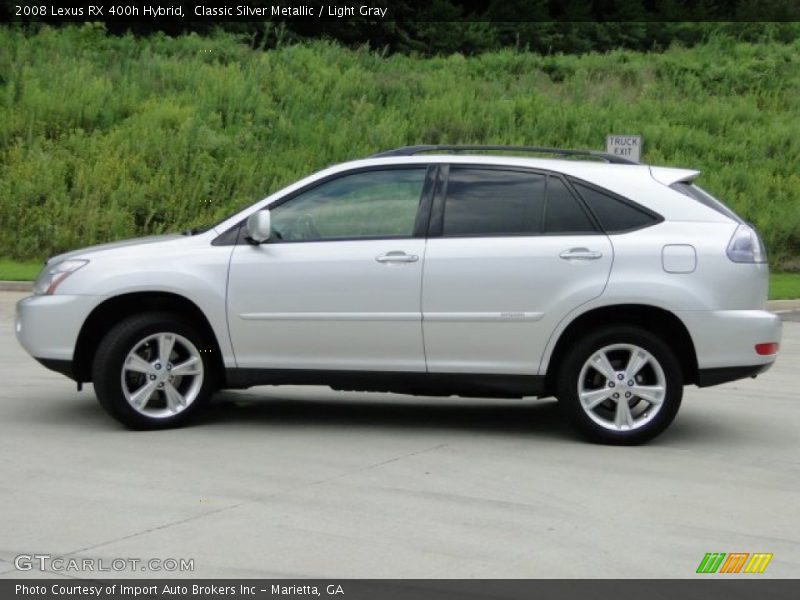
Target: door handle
[396, 256]
[580, 254]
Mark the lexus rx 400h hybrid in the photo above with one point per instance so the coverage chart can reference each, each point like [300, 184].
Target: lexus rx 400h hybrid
[426, 270]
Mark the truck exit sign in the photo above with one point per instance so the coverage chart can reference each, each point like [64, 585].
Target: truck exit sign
[626, 146]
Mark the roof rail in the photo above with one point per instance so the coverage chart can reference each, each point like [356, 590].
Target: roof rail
[413, 150]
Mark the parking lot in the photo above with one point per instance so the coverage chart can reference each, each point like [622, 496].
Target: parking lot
[306, 482]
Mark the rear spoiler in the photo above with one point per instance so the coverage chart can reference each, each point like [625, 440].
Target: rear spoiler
[669, 175]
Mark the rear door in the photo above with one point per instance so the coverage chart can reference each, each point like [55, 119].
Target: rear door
[510, 253]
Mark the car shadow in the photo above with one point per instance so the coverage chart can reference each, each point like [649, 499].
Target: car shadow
[688, 431]
[389, 411]
[321, 408]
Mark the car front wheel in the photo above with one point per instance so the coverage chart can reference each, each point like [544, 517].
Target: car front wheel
[152, 371]
[620, 385]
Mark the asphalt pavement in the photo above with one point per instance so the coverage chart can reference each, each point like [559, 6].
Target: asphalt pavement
[307, 482]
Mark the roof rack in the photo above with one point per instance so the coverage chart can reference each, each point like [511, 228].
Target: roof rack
[413, 150]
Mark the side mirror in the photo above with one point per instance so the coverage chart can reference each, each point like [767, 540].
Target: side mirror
[259, 228]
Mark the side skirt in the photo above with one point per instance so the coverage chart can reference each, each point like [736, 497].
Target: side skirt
[416, 384]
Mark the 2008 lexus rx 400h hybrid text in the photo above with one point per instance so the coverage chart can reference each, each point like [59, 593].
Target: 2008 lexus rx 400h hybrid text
[426, 270]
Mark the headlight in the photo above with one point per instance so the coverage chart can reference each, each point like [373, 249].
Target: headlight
[746, 247]
[52, 275]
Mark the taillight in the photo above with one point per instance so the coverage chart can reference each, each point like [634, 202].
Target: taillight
[746, 247]
[767, 349]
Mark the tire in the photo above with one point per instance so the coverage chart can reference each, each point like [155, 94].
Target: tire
[602, 417]
[118, 375]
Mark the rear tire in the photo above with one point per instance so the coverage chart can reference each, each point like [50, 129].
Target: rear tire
[153, 371]
[620, 385]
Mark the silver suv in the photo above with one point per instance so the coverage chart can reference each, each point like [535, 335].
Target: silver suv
[430, 270]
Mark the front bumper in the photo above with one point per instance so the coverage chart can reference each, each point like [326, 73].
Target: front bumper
[48, 326]
[59, 366]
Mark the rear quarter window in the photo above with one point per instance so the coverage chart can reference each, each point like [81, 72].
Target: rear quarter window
[615, 214]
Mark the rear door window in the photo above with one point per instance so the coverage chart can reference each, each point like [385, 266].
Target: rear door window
[565, 215]
[499, 202]
[492, 202]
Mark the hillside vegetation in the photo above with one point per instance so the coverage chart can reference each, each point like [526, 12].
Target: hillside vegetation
[105, 137]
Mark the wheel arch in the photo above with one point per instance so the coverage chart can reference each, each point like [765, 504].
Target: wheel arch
[108, 313]
[662, 322]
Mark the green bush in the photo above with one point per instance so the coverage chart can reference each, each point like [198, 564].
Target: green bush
[105, 137]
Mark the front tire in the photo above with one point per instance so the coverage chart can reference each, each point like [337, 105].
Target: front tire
[153, 371]
[620, 385]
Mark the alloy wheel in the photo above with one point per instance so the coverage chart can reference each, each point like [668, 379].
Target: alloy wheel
[162, 375]
[622, 387]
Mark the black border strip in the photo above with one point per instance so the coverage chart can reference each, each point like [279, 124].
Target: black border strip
[180, 13]
[700, 587]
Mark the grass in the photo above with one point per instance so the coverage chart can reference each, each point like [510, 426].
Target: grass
[105, 137]
[12, 270]
[782, 286]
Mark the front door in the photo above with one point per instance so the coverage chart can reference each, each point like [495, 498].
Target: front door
[338, 285]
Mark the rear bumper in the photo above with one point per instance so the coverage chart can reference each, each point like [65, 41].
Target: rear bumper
[725, 340]
[707, 377]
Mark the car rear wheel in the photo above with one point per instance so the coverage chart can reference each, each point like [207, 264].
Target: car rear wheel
[620, 385]
[153, 371]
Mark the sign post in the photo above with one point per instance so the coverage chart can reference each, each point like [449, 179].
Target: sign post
[626, 146]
